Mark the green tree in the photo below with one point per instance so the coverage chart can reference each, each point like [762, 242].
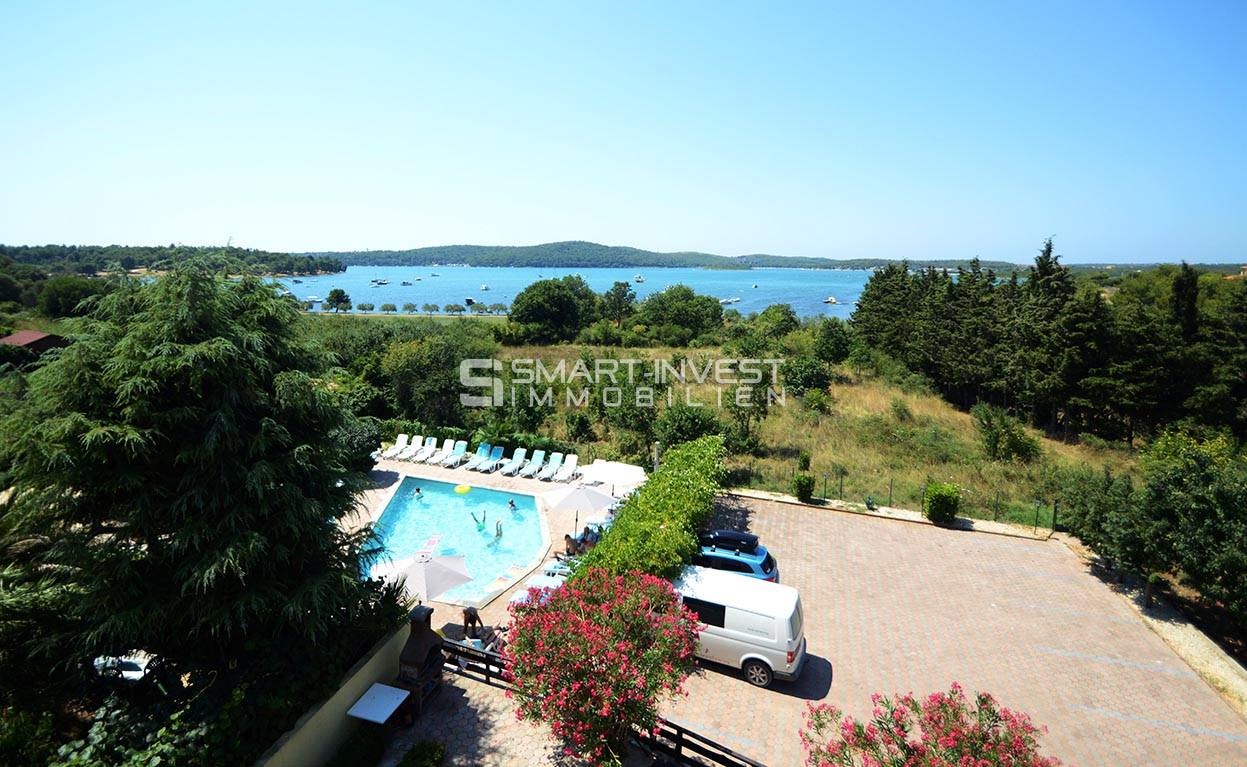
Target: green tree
[677, 315]
[409, 308]
[554, 309]
[777, 320]
[366, 307]
[498, 308]
[389, 308]
[455, 309]
[832, 341]
[423, 376]
[61, 296]
[619, 302]
[803, 373]
[173, 481]
[429, 308]
[338, 300]
[682, 422]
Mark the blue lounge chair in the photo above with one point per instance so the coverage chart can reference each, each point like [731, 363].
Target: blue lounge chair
[438, 456]
[481, 455]
[556, 463]
[457, 455]
[513, 465]
[533, 466]
[492, 462]
[424, 451]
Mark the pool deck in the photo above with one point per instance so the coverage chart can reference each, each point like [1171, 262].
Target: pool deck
[388, 474]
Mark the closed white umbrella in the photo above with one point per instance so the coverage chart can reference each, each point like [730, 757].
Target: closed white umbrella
[430, 577]
[583, 500]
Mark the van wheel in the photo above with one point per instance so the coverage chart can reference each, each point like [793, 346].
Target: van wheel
[758, 673]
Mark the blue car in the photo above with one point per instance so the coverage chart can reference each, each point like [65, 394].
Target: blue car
[737, 553]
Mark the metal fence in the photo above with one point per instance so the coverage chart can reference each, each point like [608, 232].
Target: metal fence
[684, 746]
[834, 483]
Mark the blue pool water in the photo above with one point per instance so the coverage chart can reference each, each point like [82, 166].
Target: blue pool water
[439, 522]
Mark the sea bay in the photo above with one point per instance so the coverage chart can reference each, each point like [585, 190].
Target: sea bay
[804, 289]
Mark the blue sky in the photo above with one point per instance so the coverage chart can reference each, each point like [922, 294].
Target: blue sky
[925, 130]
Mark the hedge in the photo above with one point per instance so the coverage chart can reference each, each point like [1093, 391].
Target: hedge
[656, 530]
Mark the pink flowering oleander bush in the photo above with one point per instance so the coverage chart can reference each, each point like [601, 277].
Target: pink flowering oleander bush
[598, 656]
[942, 730]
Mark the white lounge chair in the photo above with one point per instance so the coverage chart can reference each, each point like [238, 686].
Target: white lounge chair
[556, 463]
[424, 451]
[492, 461]
[399, 445]
[457, 455]
[531, 467]
[481, 455]
[513, 465]
[569, 470]
[438, 456]
[406, 453]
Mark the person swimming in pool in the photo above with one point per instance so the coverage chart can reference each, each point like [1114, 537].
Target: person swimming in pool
[498, 529]
[511, 504]
[480, 523]
[418, 493]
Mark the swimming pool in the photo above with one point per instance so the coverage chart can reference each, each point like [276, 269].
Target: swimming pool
[439, 521]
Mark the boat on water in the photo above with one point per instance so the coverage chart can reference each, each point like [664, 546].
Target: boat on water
[297, 282]
[406, 282]
[638, 279]
[314, 299]
[830, 300]
[755, 284]
[484, 286]
[434, 274]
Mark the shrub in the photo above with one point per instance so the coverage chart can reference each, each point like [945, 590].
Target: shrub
[818, 401]
[25, 738]
[426, 753]
[684, 423]
[598, 656]
[900, 410]
[942, 729]
[359, 437]
[1003, 437]
[656, 530]
[805, 373]
[803, 460]
[803, 487]
[579, 426]
[941, 502]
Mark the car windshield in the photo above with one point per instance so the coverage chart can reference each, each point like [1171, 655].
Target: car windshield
[768, 564]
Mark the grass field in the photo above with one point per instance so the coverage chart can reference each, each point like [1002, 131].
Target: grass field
[882, 442]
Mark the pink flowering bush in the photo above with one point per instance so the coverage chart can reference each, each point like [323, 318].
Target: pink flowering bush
[942, 730]
[598, 656]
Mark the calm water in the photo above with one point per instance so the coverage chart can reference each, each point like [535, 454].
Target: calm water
[440, 523]
[805, 289]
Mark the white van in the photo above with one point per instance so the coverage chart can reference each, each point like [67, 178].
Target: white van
[747, 623]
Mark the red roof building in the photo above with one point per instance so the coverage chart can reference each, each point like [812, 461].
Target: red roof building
[34, 340]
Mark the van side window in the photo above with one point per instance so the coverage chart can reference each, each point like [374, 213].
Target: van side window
[707, 612]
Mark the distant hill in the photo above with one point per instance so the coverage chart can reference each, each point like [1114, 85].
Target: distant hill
[578, 254]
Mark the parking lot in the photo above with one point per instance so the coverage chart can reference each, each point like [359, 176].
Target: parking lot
[892, 606]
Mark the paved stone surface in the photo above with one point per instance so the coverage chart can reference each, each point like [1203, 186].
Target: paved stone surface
[892, 606]
[897, 607]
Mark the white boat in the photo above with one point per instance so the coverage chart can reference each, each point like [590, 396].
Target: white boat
[484, 286]
[755, 284]
[830, 300]
[313, 299]
[638, 279]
